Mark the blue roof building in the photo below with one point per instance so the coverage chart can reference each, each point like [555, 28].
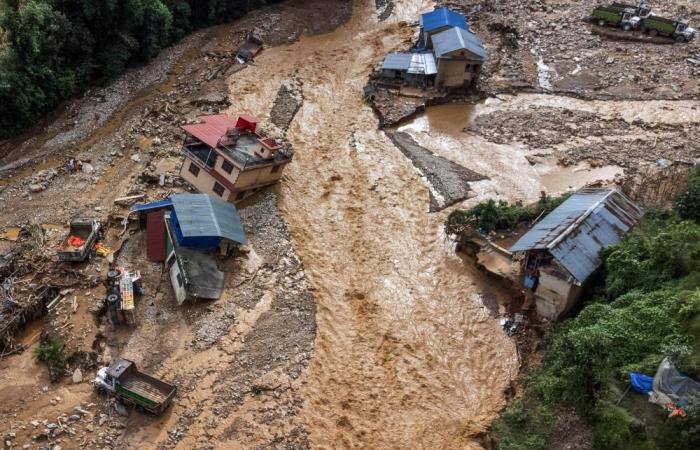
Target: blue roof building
[563, 250]
[439, 20]
[203, 221]
[442, 18]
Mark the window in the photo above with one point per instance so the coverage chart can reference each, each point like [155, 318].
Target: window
[193, 169]
[227, 166]
[276, 168]
[219, 189]
[468, 68]
[179, 279]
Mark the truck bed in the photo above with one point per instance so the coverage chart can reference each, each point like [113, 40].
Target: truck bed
[144, 387]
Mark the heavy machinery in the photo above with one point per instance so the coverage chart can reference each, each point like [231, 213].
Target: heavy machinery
[612, 16]
[678, 30]
[123, 380]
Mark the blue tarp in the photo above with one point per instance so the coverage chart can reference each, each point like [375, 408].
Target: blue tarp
[641, 383]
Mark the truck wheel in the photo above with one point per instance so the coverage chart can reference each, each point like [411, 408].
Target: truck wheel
[680, 39]
[627, 27]
[654, 33]
[601, 23]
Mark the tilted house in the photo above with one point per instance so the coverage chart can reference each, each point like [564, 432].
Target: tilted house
[186, 231]
[229, 158]
[460, 54]
[562, 251]
[436, 21]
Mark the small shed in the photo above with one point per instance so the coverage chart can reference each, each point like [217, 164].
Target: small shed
[416, 69]
[202, 221]
[562, 251]
[438, 20]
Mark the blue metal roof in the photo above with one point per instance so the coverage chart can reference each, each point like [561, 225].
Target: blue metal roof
[442, 17]
[204, 216]
[414, 62]
[455, 38]
[576, 231]
[153, 205]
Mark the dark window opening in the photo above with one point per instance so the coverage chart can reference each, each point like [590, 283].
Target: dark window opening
[219, 189]
[227, 166]
[179, 279]
[193, 169]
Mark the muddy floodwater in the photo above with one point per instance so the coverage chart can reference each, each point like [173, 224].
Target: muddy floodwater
[405, 354]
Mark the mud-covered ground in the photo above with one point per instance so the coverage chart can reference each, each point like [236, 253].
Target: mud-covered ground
[349, 322]
[547, 45]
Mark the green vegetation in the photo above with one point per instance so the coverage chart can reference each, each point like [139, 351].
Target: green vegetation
[52, 354]
[688, 203]
[491, 216]
[54, 49]
[648, 308]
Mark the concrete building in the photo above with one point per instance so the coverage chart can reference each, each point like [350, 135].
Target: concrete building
[561, 252]
[229, 159]
[460, 54]
[436, 21]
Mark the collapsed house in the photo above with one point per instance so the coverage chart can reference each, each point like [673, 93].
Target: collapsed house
[229, 158]
[186, 232]
[561, 252]
[447, 56]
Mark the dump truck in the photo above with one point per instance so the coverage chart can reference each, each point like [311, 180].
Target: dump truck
[625, 18]
[123, 380]
[675, 29]
[79, 245]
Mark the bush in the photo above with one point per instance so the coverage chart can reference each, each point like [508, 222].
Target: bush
[687, 204]
[51, 353]
[491, 216]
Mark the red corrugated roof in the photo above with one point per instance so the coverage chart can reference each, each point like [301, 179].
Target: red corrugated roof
[212, 128]
[155, 236]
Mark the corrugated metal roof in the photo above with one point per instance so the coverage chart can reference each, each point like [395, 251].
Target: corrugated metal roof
[441, 17]
[418, 63]
[211, 128]
[576, 231]
[153, 205]
[455, 38]
[201, 215]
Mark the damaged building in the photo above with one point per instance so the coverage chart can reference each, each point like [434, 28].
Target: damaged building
[230, 158]
[187, 232]
[561, 252]
[447, 56]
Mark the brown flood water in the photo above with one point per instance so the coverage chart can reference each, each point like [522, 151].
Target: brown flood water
[406, 356]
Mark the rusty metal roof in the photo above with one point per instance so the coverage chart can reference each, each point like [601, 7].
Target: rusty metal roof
[211, 128]
[576, 231]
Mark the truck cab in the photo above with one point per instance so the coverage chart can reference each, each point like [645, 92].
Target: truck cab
[684, 32]
[630, 21]
[103, 382]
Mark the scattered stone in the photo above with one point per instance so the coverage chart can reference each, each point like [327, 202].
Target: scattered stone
[77, 376]
[36, 187]
[136, 157]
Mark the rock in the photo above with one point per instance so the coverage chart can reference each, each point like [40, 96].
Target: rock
[35, 423]
[77, 376]
[136, 157]
[74, 418]
[88, 168]
[90, 427]
[36, 187]
[157, 141]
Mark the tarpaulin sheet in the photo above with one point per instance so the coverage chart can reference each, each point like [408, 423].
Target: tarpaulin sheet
[670, 384]
[641, 383]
